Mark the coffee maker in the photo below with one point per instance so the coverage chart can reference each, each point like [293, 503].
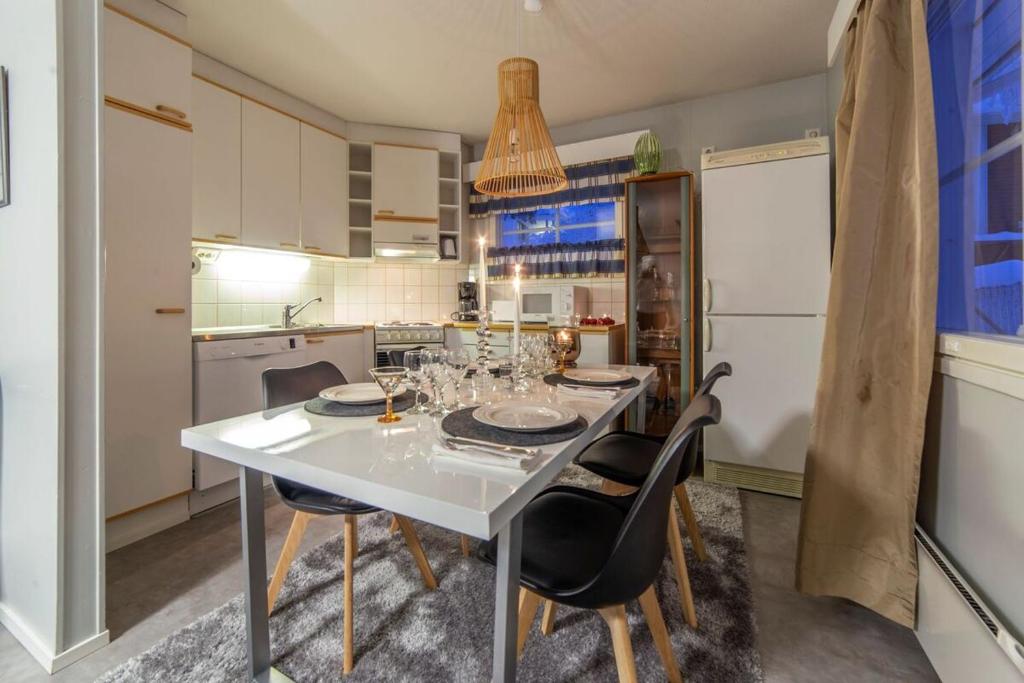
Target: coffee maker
[467, 303]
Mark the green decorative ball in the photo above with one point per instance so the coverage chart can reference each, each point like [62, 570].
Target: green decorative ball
[647, 154]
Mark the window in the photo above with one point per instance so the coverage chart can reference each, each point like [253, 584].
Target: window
[549, 225]
[976, 73]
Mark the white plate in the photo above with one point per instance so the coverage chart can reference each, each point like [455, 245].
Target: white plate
[596, 376]
[358, 394]
[525, 416]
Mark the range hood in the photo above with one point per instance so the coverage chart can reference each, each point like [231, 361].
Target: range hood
[406, 239]
[407, 251]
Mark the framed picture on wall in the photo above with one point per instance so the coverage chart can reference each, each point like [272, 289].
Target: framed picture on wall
[5, 159]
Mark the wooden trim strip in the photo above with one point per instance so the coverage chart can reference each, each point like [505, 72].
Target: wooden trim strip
[151, 27]
[318, 337]
[398, 144]
[147, 113]
[210, 240]
[267, 105]
[403, 219]
[150, 504]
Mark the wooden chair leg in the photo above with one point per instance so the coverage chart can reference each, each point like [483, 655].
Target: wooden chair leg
[675, 544]
[528, 604]
[284, 560]
[615, 617]
[656, 623]
[394, 525]
[413, 541]
[547, 622]
[691, 522]
[464, 540]
[350, 556]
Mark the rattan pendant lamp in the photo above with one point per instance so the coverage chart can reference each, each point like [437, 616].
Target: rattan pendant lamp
[520, 159]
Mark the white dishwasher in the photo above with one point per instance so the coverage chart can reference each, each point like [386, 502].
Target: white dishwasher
[226, 382]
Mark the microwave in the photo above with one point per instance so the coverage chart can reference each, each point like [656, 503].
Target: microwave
[545, 304]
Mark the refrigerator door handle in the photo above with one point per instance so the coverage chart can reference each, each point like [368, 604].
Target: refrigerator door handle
[707, 334]
[706, 295]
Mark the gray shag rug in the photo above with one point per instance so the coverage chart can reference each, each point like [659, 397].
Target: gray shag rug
[404, 632]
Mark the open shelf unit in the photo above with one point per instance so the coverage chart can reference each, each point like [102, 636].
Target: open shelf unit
[449, 194]
[360, 186]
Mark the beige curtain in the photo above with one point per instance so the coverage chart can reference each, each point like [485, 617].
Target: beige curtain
[863, 460]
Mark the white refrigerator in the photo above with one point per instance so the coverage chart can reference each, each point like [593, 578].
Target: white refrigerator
[766, 256]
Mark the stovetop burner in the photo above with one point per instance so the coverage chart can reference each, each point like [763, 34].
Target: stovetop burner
[399, 323]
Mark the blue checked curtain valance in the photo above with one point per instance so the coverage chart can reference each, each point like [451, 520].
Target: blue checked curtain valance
[591, 182]
[601, 258]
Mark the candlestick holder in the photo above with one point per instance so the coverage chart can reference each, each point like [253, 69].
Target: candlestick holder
[483, 344]
[566, 343]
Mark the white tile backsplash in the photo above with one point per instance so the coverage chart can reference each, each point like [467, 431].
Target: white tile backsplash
[354, 292]
[351, 292]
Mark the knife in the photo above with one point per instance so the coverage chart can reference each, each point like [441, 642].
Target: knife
[517, 452]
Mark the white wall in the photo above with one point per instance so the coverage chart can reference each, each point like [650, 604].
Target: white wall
[741, 118]
[50, 574]
[29, 359]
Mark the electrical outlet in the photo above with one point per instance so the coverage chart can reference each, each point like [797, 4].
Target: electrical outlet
[710, 149]
[812, 133]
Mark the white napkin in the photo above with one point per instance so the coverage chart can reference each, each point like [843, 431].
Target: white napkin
[482, 458]
[588, 392]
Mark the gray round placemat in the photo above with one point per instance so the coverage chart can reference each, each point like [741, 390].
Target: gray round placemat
[321, 406]
[554, 379]
[462, 423]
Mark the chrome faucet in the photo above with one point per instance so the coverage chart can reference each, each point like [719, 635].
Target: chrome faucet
[292, 310]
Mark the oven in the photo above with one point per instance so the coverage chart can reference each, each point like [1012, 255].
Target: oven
[402, 337]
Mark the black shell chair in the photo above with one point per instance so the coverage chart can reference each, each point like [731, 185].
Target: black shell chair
[624, 459]
[597, 551]
[283, 386]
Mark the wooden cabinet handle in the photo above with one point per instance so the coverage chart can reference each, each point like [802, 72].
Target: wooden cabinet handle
[314, 341]
[225, 236]
[164, 109]
[310, 247]
[170, 311]
[391, 217]
[288, 244]
[389, 212]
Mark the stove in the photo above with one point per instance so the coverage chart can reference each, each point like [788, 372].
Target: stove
[399, 336]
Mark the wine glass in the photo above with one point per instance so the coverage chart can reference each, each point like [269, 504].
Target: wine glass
[434, 365]
[414, 361]
[457, 367]
[389, 377]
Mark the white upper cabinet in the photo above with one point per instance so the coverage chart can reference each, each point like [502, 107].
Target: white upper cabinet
[270, 178]
[142, 67]
[324, 160]
[405, 183]
[216, 163]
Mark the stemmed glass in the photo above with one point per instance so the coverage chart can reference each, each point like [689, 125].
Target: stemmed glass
[388, 377]
[434, 365]
[457, 367]
[414, 361]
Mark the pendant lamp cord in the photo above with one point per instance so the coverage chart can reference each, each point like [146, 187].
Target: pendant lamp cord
[517, 4]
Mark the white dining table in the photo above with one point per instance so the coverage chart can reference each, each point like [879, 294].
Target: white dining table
[395, 467]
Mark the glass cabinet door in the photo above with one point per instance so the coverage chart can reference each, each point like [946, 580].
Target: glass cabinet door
[659, 241]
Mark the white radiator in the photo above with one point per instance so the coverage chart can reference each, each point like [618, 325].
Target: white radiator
[959, 633]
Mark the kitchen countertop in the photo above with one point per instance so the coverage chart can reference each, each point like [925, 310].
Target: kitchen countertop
[248, 331]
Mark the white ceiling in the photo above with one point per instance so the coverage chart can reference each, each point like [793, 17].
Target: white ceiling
[432, 63]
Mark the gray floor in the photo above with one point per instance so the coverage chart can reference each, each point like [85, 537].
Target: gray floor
[164, 582]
